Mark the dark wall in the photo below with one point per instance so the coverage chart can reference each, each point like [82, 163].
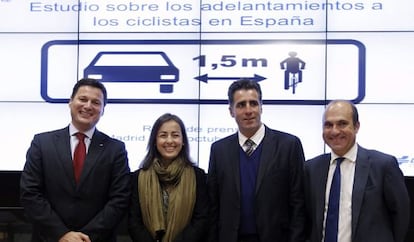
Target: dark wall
[9, 188]
[10, 206]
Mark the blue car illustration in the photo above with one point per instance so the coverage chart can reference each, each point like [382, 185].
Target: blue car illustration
[137, 66]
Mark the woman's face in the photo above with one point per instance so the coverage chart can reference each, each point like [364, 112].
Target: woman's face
[169, 141]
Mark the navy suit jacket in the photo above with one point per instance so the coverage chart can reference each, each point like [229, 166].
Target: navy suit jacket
[55, 204]
[279, 200]
[380, 201]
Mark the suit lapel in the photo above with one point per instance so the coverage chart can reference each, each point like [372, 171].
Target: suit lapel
[62, 144]
[321, 168]
[362, 166]
[94, 151]
[268, 149]
[234, 160]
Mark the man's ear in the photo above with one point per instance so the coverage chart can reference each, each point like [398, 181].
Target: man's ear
[231, 111]
[357, 127]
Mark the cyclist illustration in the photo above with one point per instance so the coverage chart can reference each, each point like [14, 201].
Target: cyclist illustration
[293, 66]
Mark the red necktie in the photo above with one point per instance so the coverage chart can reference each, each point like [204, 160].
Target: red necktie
[79, 156]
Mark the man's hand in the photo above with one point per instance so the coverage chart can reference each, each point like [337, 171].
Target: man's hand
[73, 236]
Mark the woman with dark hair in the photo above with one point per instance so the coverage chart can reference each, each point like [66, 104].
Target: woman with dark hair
[169, 200]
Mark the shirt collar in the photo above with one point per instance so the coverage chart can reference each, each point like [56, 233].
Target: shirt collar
[257, 137]
[350, 155]
[73, 131]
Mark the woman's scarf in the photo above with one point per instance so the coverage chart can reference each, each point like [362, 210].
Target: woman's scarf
[180, 180]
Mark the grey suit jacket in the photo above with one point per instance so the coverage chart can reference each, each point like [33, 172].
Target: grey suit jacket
[55, 204]
[279, 201]
[380, 201]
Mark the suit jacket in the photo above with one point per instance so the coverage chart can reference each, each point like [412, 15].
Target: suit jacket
[55, 204]
[279, 201]
[380, 201]
[195, 231]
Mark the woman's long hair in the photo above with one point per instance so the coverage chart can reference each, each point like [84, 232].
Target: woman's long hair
[152, 151]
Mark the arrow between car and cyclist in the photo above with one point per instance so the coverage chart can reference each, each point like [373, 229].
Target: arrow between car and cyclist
[205, 78]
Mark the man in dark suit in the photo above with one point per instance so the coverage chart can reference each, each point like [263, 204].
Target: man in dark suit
[258, 195]
[373, 201]
[66, 208]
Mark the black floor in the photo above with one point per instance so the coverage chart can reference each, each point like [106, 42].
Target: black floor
[14, 227]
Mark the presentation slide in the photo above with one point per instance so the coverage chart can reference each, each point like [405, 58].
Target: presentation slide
[180, 56]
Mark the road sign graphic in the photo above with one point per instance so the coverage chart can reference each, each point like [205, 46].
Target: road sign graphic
[200, 71]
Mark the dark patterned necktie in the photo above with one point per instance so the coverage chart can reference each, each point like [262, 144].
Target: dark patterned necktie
[249, 146]
[79, 156]
[331, 226]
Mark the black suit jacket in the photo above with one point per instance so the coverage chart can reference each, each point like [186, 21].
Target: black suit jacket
[195, 231]
[380, 201]
[279, 201]
[55, 204]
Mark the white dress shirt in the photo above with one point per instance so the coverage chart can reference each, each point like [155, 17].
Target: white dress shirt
[256, 138]
[345, 200]
[74, 140]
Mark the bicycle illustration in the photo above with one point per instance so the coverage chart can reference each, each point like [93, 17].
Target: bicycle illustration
[293, 67]
[293, 82]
